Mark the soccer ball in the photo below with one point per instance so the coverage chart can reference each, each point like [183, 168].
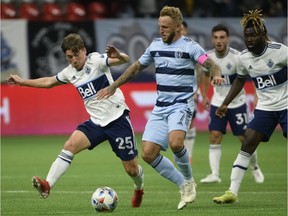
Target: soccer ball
[104, 199]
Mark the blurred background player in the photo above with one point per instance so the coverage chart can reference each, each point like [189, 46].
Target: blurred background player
[109, 119]
[266, 63]
[236, 115]
[191, 133]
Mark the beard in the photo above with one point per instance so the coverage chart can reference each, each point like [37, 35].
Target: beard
[170, 38]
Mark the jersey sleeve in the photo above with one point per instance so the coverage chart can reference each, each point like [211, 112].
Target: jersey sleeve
[62, 76]
[283, 57]
[241, 69]
[146, 58]
[197, 53]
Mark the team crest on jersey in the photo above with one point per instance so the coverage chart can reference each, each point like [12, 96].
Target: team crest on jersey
[178, 54]
[229, 66]
[87, 70]
[270, 63]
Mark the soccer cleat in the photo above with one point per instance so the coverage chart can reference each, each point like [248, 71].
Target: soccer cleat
[137, 198]
[228, 197]
[257, 174]
[188, 194]
[211, 178]
[42, 186]
[181, 204]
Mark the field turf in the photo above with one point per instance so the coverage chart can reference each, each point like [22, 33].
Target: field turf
[23, 157]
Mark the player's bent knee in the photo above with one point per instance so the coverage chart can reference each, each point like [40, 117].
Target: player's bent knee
[148, 158]
[72, 147]
[132, 170]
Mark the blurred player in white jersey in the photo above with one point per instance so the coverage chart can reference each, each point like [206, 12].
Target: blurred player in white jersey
[227, 58]
[266, 63]
[174, 56]
[191, 133]
[109, 118]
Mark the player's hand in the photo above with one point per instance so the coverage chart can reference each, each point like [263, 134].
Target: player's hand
[14, 79]
[105, 92]
[217, 80]
[206, 103]
[255, 101]
[221, 111]
[112, 52]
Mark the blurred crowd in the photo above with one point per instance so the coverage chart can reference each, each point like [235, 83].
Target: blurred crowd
[88, 9]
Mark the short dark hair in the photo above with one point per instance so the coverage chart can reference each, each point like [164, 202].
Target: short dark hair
[73, 42]
[221, 27]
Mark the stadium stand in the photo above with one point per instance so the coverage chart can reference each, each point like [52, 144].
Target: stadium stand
[52, 11]
[29, 10]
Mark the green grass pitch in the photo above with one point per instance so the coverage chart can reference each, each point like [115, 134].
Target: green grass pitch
[23, 157]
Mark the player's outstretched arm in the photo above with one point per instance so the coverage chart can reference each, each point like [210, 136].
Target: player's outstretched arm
[203, 79]
[214, 70]
[44, 82]
[236, 87]
[206, 78]
[131, 72]
[115, 57]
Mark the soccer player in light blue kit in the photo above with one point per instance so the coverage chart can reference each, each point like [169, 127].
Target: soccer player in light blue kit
[174, 57]
[266, 63]
[109, 118]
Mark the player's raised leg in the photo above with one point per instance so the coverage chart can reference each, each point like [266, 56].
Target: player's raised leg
[76, 143]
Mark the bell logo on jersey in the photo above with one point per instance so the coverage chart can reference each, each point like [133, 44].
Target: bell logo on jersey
[266, 81]
[87, 90]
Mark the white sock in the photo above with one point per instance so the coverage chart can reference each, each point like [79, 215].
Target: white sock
[139, 179]
[240, 166]
[215, 153]
[59, 166]
[190, 140]
[254, 160]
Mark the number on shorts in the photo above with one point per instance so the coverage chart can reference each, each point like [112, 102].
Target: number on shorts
[241, 118]
[125, 143]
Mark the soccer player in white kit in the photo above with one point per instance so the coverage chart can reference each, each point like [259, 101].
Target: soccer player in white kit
[174, 56]
[266, 63]
[227, 58]
[109, 118]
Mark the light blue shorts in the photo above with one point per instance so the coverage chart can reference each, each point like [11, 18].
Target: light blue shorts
[159, 125]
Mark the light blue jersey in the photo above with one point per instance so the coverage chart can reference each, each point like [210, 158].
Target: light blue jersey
[176, 85]
[175, 75]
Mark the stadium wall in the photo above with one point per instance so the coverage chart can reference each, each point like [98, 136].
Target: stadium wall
[29, 111]
[32, 49]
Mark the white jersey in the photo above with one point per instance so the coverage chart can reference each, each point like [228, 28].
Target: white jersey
[269, 74]
[228, 65]
[94, 76]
